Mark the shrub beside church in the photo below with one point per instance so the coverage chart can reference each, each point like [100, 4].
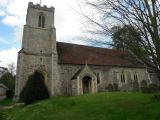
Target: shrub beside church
[35, 89]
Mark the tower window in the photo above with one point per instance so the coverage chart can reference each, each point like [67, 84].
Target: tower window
[41, 21]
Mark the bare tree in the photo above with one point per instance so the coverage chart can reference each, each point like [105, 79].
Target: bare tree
[12, 68]
[144, 15]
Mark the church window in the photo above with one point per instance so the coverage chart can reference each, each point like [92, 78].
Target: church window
[98, 78]
[41, 21]
[122, 78]
[135, 77]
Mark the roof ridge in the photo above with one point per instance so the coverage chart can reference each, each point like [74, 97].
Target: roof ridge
[93, 47]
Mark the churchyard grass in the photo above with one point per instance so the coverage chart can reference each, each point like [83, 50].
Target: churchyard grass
[100, 106]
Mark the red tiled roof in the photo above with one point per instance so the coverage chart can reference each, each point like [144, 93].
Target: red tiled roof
[80, 54]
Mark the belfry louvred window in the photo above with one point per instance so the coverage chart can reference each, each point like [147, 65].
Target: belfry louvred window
[41, 21]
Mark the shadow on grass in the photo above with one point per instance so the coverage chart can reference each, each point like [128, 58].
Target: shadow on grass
[6, 102]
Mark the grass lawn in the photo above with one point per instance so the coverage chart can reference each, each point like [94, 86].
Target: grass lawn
[100, 106]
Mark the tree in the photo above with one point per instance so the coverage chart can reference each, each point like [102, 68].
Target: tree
[144, 15]
[127, 38]
[35, 89]
[12, 68]
[9, 80]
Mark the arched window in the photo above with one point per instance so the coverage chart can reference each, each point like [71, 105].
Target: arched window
[41, 21]
[98, 78]
[122, 78]
[135, 77]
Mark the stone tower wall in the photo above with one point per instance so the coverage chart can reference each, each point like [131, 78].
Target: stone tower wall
[38, 49]
[33, 13]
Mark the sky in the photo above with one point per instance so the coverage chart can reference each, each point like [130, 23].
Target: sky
[12, 19]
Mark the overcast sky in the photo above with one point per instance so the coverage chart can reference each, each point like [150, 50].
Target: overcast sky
[12, 19]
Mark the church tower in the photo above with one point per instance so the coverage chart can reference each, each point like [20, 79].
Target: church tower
[38, 48]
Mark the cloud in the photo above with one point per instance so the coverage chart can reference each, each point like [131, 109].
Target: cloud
[8, 56]
[2, 13]
[14, 15]
[66, 20]
[3, 3]
[11, 20]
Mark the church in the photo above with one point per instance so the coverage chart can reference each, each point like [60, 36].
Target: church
[71, 69]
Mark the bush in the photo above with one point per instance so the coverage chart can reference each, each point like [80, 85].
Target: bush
[143, 83]
[135, 86]
[115, 87]
[145, 90]
[156, 96]
[110, 88]
[153, 88]
[35, 89]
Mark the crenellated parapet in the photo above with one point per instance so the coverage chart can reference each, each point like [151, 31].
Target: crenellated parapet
[38, 6]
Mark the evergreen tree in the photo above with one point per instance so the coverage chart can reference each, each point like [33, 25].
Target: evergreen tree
[35, 89]
[8, 80]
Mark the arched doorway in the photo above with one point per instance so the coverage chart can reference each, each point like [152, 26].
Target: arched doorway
[41, 75]
[86, 83]
[38, 76]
